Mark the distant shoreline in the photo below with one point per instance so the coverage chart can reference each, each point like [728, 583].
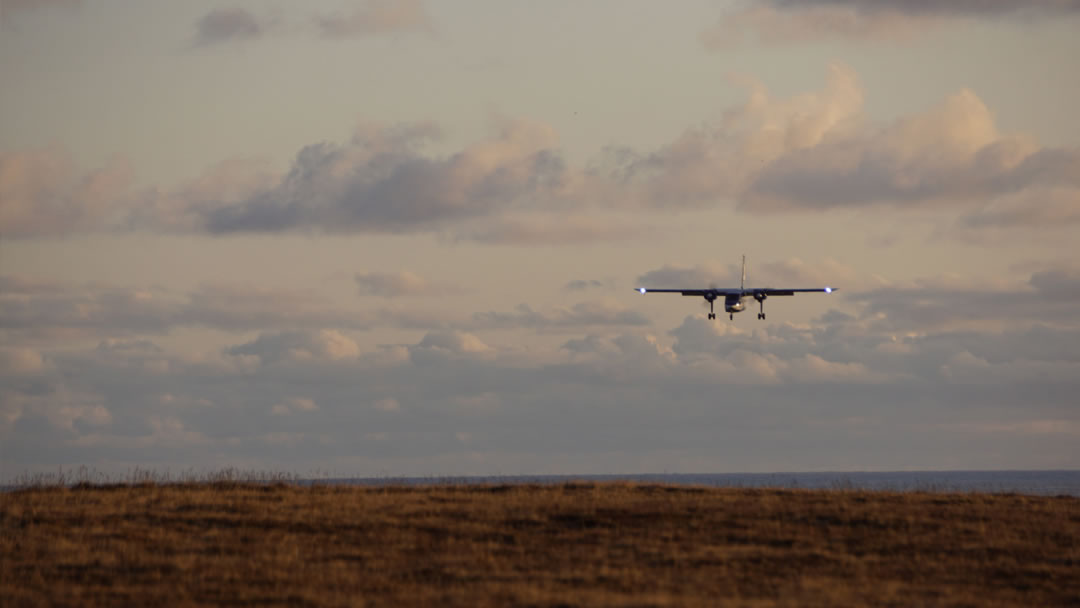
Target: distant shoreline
[1031, 482]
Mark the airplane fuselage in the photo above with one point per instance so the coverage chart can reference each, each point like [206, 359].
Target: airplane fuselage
[733, 303]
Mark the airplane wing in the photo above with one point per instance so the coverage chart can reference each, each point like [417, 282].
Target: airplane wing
[723, 291]
[693, 292]
[769, 291]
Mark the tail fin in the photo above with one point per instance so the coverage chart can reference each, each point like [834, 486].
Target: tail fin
[742, 283]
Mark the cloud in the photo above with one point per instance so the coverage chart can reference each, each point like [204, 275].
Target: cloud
[951, 154]
[708, 274]
[20, 361]
[582, 314]
[974, 8]
[814, 151]
[33, 310]
[377, 17]
[1039, 206]
[439, 346]
[583, 284]
[293, 405]
[720, 395]
[792, 22]
[791, 272]
[298, 345]
[226, 25]
[379, 183]
[946, 303]
[554, 228]
[794, 272]
[401, 283]
[11, 9]
[41, 195]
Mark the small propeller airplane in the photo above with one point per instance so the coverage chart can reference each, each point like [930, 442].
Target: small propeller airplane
[733, 297]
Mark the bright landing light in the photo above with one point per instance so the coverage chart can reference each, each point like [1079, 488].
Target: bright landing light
[828, 290]
[641, 290]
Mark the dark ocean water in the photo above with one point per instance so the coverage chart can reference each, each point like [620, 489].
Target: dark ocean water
[1047, 483]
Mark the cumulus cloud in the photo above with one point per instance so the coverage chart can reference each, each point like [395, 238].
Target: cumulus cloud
[818, 151]
[951, 154]
[294, 405]
[813, 151]
[716, 391]
[299, 345]
[443, 345]
[377, 17]
[379, 183]
[788, 22]
[226, 25]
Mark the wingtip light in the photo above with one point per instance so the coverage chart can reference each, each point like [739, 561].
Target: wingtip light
[641, 290]
[828, 290]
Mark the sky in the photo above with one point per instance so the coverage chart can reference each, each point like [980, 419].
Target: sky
[401, 237]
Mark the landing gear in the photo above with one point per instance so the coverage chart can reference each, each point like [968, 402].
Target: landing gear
[760, 297]
[712, 315]
[731, 316]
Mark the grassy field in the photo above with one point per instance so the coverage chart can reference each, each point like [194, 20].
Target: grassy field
[581, 544]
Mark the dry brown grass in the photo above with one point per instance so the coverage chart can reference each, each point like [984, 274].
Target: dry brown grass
[581, 544]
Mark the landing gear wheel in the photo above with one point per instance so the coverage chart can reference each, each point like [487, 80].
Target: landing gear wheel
[731, 316]
[711, 316]
[761, 316]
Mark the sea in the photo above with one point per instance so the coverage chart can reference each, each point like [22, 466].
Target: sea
[1041, 483]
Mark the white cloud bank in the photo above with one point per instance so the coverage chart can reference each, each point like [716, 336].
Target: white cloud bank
[812, 152]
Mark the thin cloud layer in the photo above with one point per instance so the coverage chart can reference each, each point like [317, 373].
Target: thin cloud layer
[227, 25]
[393, 284]
[582, 314]
[369, 18]
[949, 303]
[377, 17]
[35, 311]
[10, 10]
[583, 284]
[793, 22]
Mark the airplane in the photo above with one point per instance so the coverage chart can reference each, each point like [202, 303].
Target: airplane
[733, 297]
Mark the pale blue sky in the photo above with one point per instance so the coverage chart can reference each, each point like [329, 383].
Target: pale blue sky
[928, 164]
